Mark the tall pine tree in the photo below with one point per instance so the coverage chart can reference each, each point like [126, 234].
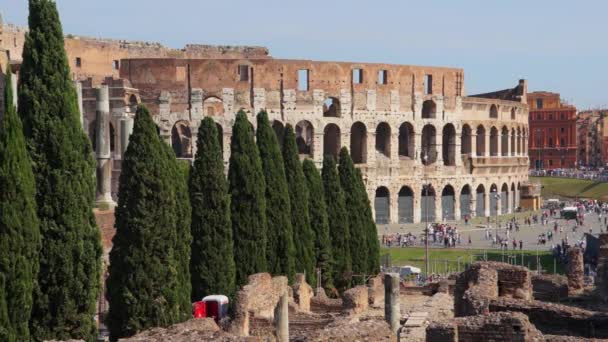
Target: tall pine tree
[19, 234]
[359, 250]
[280, 250]
[7, 333]
[184, 234]
[303, 236]
[143, 282]
[369, 229]
[319, 222]
[247, 202]
[64, 172]
[212, 266]
[338, 223]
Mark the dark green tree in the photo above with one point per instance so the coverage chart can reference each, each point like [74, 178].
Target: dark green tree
[212, 266]
[317, 208]
[338, 223]
[280, 250]
[184, 234]
[7, 332]
[303, 236]
[359, 250]
[19, 234]
[143, 283]
[369, 229]
[247, 202]
[64, 171]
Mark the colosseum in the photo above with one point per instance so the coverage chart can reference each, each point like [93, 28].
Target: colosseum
[425, 149]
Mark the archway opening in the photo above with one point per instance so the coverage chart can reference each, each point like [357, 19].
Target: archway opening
[213, 106]
[181, 139]
[382, 205]
[519, 144]
[512, 197]
[429, 145]
[513, 141]
[493, 112]
[480, 201]
[447, 203]
[383, 139]
[405, 205]
[305, 137]
[427, 203]
[448, 149]
[331, 140]
[494, 142]
[504, 142]
[358, 143]
[465, 201]
[406, 141]
[494, 200]
[331, 107]
[504, 199]
[465, 140]
[429, 109]
[480, 141]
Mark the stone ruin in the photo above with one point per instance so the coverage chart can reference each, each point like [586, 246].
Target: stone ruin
[576, 271]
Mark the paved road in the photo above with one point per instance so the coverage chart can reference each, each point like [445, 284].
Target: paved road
[528, 234]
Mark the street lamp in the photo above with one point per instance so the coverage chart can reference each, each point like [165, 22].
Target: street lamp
[425, 187]
[496, 198]
[538, 140]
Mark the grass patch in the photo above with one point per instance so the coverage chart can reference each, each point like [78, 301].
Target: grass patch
[572, 188]
[444, 261]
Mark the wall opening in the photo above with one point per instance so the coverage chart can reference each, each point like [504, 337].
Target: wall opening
[493, 112]
[513, 141]
[513, 116]
[447, 203]
[448, 149]
[465, 140]
[465, 201]
[382, 205]
[115, 64]
[382, 77]
[358, 143]
[78, 62]
[383, 139]
[494, 195]
[243, 72]
[331, 107]
[279, 131]
[332, 140]
[504, 199]
[428, 84]
[405, 204]
[181, 139]
[504, 142]
[213, 106]
[494, 142]
[427, 203]
[406, 141]
[303, 84]
[305, 137]
[480, 201]
[357, 76]
[429, 146]
[429, 109]
[480, 141]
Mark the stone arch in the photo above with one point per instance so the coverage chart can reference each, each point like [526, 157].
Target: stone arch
[493, 199]
[358, 143]
[305, 135]
[331, 107]
[493, 141]
[480, 141]
[448, 149]
[466, 139]
[480, 200]
[406, 141]
[493, 112]
[332, 140]
[447, 202]
[181, 139]
[465, 201]
[405, 205]
[427, 203]
[279, 131]
[504, 141]
[213, 106]
[382, 205]
[383, 139]
[429, 109]
[504, 199]
[428, 153]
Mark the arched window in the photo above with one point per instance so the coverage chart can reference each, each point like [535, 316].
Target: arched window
[383, 139]
[447, 203]
[513, 114]
[480, 201]
[504, 142]
[448, 149]
[305, 137]
[358, 143]
[406, 205]
[493, 112]
[406, 141]
[331, 107]
[331, 140]
[429, 109]
[480, 141]
[429, 145]
[382, 205]
[465, 201]
[181, 139]
[213, 106]
[493, 141]
[427, 204]
[513, 141]
[504, 199]
[494, 195]
[465, 140]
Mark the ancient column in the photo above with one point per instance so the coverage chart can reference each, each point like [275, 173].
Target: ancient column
[473, 143]
[126, 128]
[486, 203]
[576, 270]
[78, 87]
[392, 314]
[281, 318]
[104, 162]
[456, 206]
[487, 151]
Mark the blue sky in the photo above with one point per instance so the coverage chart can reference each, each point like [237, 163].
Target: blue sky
[557, 45]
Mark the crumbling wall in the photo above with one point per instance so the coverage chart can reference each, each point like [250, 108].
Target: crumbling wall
[576, 271]
[501, 326]
[302, 292]
[322, 303]
[375, 291]
[551, 288]
[355, 300]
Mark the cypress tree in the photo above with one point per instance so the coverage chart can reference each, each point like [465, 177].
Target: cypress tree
[319, 222]
[19, 234]
[212, 266]
[370, 229]
[359, 250]
[338, 223]
[247, 203]
[64, 170]
[142, 285]
[184, 234]
[303, 236]
[7, 332]
[280, 250]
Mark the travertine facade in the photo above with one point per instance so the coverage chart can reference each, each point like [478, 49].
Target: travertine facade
[405, 126]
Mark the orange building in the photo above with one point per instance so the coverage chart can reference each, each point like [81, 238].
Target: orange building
[552, 143]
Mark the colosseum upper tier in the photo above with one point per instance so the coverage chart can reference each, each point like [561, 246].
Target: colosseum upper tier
[425, 150]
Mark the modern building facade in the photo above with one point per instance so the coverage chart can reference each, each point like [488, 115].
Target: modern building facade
[553, 131]
[592, 128]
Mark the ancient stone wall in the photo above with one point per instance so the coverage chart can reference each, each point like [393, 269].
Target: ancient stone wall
[576, 271]
[355, 300]
[552, 288]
